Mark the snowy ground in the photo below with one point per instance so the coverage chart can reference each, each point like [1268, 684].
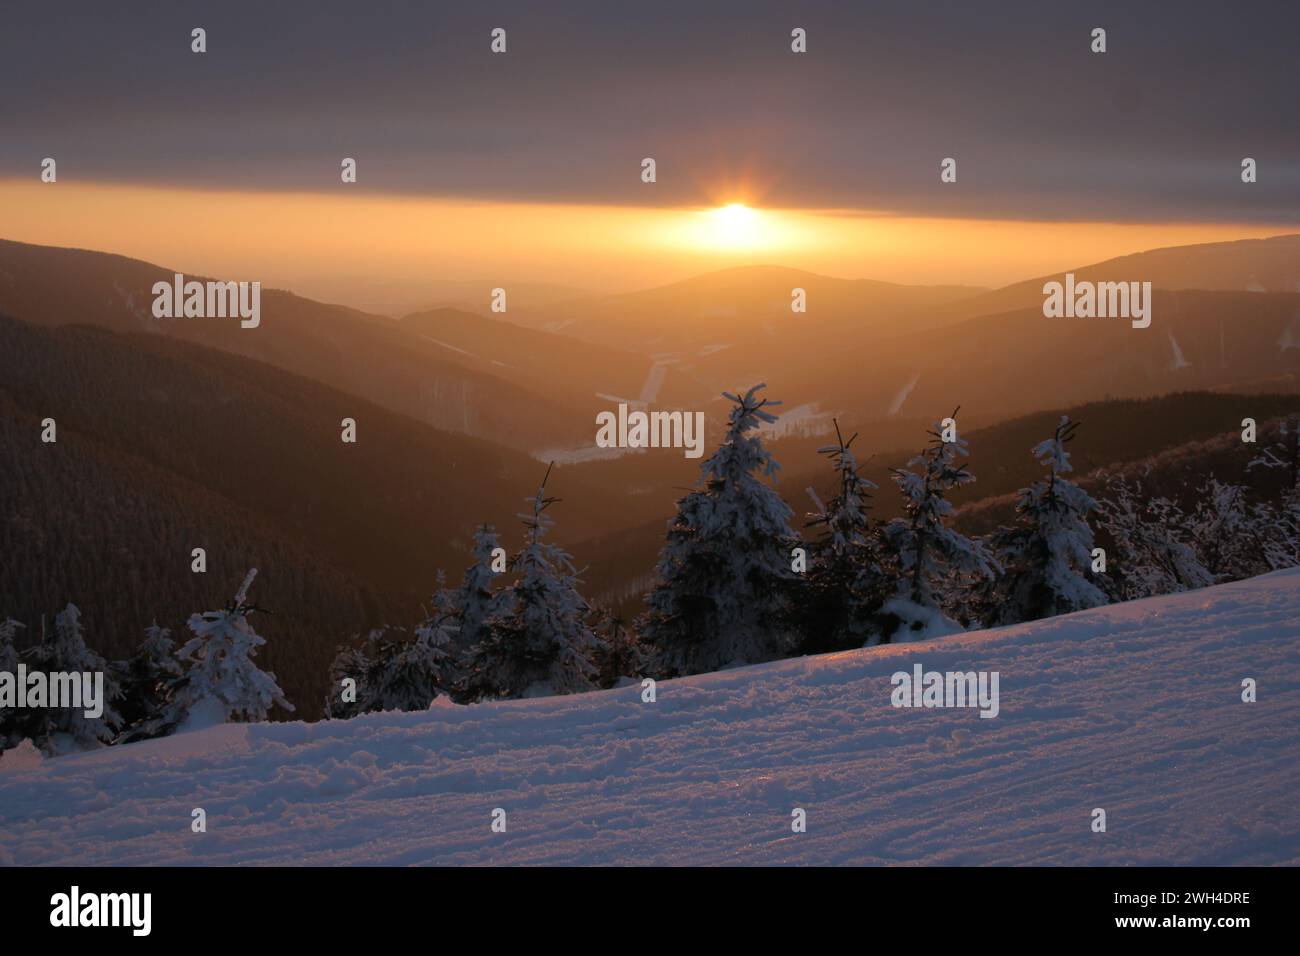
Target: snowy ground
[1134, 708]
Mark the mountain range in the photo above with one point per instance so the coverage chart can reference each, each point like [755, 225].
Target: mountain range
[176, 434]
[1226, 317]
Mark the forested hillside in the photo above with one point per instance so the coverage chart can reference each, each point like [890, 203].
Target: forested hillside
[163, 447]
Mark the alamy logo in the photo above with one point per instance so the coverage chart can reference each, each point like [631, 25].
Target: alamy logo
[1085, 300]
[200, 300]
[641, 429]
[103, 909]
[923, 688]
[76, 691]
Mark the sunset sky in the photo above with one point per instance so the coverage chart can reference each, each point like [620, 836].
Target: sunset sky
[526, 166]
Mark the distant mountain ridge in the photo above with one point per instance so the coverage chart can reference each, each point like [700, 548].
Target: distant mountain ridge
[1242, 265]
[728, 305]
[1227, 317]
[865, 350]
[370, 356]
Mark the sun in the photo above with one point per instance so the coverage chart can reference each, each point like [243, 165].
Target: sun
[733, 231]
[734, 226]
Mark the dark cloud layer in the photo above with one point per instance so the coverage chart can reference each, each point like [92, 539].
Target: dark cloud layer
[1041, 127]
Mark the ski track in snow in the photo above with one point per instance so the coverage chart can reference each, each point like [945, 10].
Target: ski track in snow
[1179, 361]
[897, 404]
[430, 338]
[1290, 338]
[1134, 708]
[654, 381]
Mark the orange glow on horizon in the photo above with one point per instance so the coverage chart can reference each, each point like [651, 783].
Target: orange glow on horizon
[345, 245]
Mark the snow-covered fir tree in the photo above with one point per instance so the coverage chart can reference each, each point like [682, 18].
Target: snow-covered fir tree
[149, 679]
[1046, 559]
[933, 564]
[724, 575]
[540, 641]
[620, 655]
[427, 666]
[477, 600]
[349, 675]
[59, 730]
[1151, 554]
[393, 670]
[845, 585]
[221, 681]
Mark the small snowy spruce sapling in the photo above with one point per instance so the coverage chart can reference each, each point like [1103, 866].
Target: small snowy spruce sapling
[65, 729]
[392, 670]
[540, 641]
[725, 581]
[1046, 559]
[621, 655]
[933, 565]
[348, 679]
[845, 585]
[150, 677]
[476, 597]
[221, 675]
[425, 667]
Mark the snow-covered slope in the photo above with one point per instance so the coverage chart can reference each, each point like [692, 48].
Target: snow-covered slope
[1134, 708]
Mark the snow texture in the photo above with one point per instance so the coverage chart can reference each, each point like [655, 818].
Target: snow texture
[1135, 708]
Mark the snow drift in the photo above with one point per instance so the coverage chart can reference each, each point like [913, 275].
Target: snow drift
[1135, 708]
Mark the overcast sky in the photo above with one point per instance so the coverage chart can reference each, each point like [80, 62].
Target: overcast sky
[1152, 130]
